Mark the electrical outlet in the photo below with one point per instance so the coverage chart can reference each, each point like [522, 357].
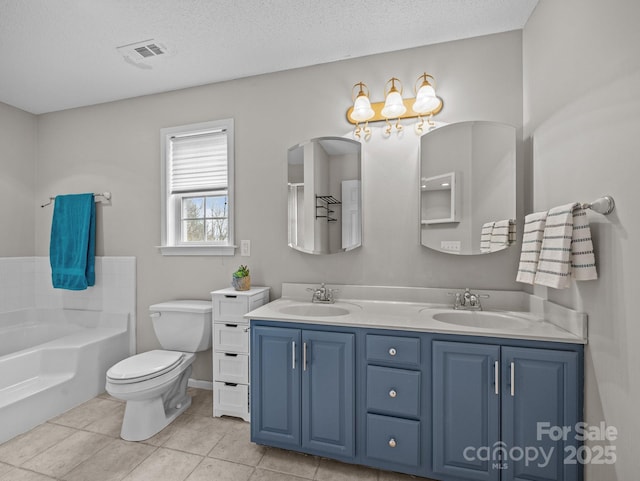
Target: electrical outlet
[451, 246]
[245, 248]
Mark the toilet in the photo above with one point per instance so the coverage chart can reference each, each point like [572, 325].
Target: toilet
[154, 383]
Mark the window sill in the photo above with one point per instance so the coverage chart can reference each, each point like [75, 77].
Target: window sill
[197, 250]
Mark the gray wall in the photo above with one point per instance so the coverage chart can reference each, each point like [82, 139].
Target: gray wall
[17, 164]
[116, 147]
[582, 133]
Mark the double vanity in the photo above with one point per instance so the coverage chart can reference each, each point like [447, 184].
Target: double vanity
[407, 383]
[453, 386]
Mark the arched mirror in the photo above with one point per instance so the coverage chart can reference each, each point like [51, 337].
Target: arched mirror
[468, 187]
[324, 195]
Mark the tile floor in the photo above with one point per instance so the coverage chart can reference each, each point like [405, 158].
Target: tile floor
[83, 444]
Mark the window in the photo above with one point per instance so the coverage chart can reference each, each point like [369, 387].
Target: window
[197, 187]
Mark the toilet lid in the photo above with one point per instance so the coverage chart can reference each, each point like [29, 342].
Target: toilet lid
[182, 306]
[146, 365]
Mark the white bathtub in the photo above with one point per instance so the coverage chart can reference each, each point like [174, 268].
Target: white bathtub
[54, 359]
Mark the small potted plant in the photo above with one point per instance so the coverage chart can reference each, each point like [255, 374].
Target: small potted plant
[241, 280]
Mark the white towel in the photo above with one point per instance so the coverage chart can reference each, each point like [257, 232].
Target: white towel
[554, 264]
[485, 237]
[567, 249]
[583, 261]
[531, 245]
[500, 235]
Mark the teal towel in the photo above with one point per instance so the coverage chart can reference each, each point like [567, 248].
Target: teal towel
[73, 242]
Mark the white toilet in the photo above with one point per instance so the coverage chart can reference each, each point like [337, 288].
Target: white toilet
[154, 383]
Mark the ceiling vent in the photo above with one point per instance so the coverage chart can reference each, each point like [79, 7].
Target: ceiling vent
[142, 53]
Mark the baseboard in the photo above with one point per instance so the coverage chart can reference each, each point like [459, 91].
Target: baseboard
[208, 385]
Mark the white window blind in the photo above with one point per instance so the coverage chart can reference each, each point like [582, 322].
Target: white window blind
[198, 162]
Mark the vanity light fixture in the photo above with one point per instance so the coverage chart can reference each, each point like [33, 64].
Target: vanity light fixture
[426, 101]
[393, 104]
[361, 110]
[426, 104]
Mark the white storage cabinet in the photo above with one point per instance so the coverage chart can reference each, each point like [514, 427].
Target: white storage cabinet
[231, 349]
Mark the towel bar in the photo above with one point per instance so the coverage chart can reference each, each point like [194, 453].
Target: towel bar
[105, 195]
[604, 205]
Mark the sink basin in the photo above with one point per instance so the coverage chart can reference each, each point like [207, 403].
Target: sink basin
[314, 310]
[482, 319]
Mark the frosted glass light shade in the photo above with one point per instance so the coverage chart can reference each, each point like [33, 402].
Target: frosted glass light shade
[362, 110]
[426, 100]
[393, 105]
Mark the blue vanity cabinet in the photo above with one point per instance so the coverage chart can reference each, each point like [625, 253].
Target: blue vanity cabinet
[487, 397]
[328, 393]
[303, 390]
[275, 386]
[541, 386]
[396, 411]
[466, 408]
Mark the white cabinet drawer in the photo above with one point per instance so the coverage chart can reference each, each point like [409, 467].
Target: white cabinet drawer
[230, 305]
[231, 400]
[229, 367]
[231, 338]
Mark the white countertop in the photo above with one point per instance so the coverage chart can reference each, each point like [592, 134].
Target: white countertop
[542, 321]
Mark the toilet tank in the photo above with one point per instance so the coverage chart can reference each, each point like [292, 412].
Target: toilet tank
[182, 325]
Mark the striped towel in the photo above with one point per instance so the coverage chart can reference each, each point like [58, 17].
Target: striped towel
[512, 231]
[500, 235]
[583, 261]
[567, 249]
[485, 237]
[554, 264]
[531, 244]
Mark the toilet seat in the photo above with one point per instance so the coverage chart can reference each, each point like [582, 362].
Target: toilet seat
[142, 367]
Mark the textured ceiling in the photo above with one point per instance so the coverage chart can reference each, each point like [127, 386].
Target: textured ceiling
[60, 54]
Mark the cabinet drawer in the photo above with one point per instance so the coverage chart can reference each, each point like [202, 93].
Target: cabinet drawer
[231, 338]
[231, 400]
[393, 349]
[393, 439]
[393, 391]
[230, 367]
[231, 306]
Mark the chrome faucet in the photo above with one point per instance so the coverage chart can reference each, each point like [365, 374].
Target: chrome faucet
[467, 300]
[322, 294]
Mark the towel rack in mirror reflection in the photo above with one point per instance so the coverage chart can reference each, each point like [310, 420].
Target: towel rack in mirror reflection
[604, 205]
[104, 195]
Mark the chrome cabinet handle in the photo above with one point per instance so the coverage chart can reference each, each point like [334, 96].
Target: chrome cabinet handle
[392, 443]
[392, 351]
[393, 393]
[496, 375]
[513, 379]
[304, 356]
[293, 355]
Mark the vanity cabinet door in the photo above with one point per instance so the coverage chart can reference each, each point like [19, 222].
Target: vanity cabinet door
[303, 390]
[541, 386]
[275, 386]
[466, 409]
[328, 392]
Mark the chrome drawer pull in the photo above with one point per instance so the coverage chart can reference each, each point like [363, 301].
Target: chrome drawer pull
[392, 351]
[513, 379]
[392, 443]
[304, 356]
[293, 354]
[393, 393]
